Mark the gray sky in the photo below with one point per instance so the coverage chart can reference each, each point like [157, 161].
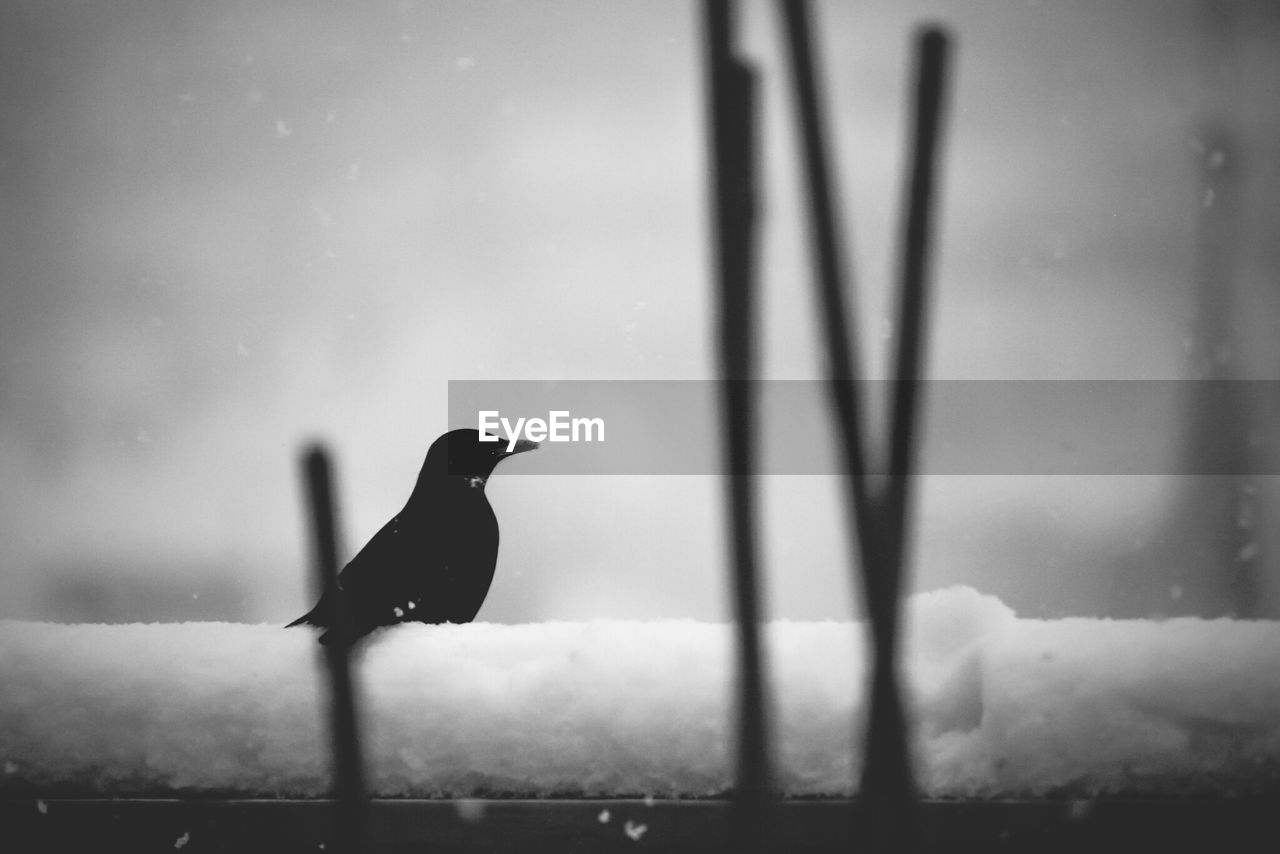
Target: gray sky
[228, 228]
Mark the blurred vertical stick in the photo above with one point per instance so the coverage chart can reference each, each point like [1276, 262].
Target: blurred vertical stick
[349, 787]
[824, 230]
[887, 789]
[731, 96]
[887, 783]
[843, 370]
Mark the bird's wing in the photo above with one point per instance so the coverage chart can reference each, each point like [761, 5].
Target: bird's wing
[374, 582]
[361, 583]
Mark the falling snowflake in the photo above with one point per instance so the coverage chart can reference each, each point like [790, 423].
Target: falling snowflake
[182, 840]
[634, 830]
[603, 817]
[398, 611]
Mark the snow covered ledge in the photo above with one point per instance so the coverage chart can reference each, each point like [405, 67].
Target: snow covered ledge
[1005, 707]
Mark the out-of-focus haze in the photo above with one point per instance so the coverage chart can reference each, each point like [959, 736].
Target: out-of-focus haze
[228, 228]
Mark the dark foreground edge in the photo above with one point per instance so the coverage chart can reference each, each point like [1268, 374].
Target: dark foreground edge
[198, 825]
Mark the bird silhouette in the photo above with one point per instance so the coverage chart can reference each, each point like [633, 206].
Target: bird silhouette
[434, 561]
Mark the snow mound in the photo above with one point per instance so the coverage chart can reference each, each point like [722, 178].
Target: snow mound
[1003, 707]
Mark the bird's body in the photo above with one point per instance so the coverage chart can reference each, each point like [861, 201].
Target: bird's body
[434, 561]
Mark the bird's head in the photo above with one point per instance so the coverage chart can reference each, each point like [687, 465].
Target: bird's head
[463, 453]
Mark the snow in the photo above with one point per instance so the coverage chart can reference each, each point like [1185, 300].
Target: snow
[1004, 707]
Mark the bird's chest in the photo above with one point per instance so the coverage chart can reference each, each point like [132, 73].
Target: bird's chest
[458, 534]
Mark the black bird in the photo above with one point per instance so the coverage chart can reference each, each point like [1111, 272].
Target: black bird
[434, 561]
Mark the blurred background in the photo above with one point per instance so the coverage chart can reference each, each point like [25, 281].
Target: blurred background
[226, 229]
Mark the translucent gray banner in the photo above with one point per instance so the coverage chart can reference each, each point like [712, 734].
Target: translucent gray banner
[1106, 427]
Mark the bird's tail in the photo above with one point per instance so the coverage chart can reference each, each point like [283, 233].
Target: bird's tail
[307, 618]
[320, 617]
[317, 616]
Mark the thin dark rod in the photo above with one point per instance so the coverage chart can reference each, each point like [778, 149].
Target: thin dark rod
[836, 317]
[885, 784]
[932, 48]
[887, 778]
[731, 94]
[349, 785]
[887, 781]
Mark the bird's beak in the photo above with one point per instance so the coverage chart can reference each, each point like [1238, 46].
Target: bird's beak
[521, 446]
